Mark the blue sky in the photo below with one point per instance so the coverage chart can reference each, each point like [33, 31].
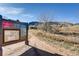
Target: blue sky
[27, 12]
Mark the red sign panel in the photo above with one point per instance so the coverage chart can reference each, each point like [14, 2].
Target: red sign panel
[6, 24]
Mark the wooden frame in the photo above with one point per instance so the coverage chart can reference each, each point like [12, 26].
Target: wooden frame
[13, 41]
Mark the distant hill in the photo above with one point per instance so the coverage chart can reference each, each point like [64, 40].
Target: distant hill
[76, 24]
[51, 23]
[34, 23]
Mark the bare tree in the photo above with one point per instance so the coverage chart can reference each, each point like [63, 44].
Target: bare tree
[45, 20]
[45, 25]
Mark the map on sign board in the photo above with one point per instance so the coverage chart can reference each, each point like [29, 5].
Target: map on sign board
[10, 35]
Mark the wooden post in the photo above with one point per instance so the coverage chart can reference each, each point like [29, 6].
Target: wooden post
[26, 41]
[1, 37]
[1, 51]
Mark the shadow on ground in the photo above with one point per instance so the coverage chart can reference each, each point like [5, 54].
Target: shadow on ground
[37, 52]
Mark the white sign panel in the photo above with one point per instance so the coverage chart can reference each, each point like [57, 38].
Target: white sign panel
[10, 35]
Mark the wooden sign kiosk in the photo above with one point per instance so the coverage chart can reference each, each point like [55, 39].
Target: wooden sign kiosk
[12, 32]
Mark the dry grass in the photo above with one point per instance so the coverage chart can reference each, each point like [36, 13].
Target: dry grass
[71, 29]
[67, 42]
[57, 36]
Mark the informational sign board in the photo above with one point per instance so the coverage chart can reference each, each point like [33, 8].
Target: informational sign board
[11, 35]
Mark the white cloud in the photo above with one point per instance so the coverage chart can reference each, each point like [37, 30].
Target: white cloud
[16, 13]
[27, 15]
[11, 10]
